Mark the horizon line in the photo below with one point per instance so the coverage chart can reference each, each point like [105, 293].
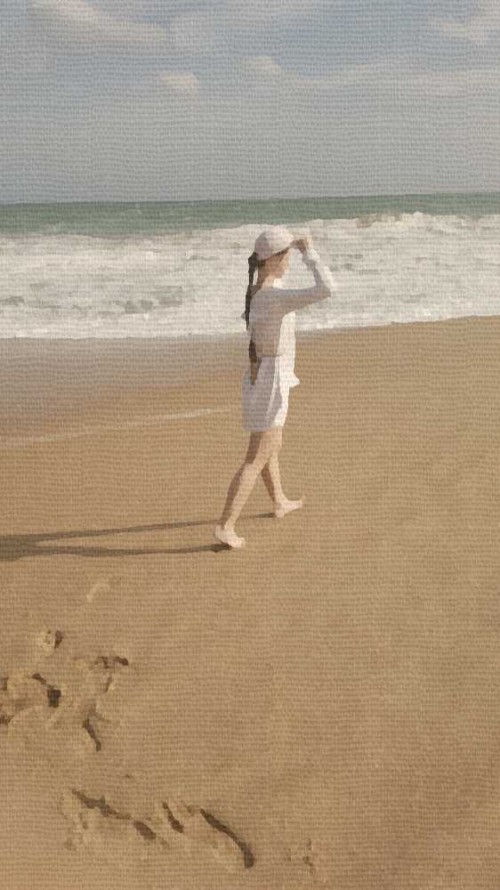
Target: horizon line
[245, 199]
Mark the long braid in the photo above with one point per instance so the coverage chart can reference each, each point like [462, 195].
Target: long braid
[253, 263]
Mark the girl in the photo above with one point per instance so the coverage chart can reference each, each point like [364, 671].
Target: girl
[270, 318]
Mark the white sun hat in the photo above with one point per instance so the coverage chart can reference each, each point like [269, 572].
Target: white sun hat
[272, 241]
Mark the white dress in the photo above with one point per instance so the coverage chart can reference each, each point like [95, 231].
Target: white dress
[272, 328]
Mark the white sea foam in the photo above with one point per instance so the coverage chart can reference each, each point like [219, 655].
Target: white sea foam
[389, 267]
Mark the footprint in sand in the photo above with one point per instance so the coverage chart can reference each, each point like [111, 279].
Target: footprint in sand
[49, 640]
[60, 722]
[94, 823]
[94, 820]
[65, 720]
[311, 854]
[198, 827]
[83, 697]
[22, 691]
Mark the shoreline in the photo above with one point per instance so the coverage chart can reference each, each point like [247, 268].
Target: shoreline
[183, 339]
[46, 383]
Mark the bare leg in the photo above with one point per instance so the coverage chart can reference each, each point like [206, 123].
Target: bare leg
[272, 480]
[260, 449]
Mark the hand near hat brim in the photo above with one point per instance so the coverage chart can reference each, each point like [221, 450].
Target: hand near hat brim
[277, 239]
[302, 244]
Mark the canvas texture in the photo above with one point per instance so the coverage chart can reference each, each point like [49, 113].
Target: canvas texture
[250, 629]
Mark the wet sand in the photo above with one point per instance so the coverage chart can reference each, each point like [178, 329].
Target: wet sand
[319, 709]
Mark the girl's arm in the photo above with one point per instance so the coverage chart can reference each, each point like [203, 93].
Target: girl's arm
[288, 300]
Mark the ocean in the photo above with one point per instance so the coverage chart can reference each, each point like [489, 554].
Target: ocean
[176, 270]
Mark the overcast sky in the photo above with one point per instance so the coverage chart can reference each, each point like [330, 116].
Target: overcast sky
[196, 99]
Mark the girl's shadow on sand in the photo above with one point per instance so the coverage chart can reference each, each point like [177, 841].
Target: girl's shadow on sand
[19, 546]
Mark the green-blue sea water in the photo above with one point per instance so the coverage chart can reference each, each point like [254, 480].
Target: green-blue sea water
[150, 218]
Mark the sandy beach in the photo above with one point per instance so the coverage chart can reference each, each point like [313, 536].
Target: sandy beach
[318, 709]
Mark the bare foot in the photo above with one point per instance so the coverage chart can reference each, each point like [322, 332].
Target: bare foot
[228, 536]
[287, 506]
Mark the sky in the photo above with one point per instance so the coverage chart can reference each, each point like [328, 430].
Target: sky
[216, 99]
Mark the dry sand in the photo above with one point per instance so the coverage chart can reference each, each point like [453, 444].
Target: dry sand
[319, 709]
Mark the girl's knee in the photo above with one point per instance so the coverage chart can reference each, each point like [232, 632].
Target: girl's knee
[259, 458]
[263, 446]
[257, 463]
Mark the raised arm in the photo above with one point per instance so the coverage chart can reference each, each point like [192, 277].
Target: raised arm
[288, 299]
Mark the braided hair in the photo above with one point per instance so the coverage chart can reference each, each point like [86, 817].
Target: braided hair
[253, 264]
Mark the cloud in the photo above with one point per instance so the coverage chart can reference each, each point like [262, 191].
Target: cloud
[199, 31]
[462, 82]
[262, 66]
[86, 28]
[137, 8]
[391, 76]
[264, 11]
[143, 27]
[183, 83]
[480, 26]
